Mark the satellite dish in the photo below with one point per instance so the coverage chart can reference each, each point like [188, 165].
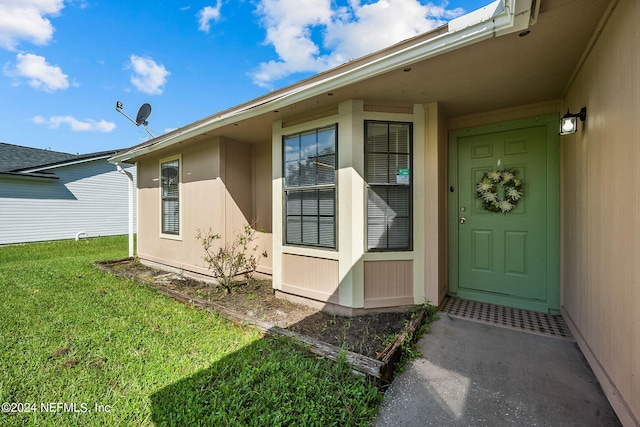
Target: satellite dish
[169, 175]
[143, 115]
[141, 119]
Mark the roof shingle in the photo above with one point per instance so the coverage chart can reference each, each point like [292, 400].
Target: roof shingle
[16, 157]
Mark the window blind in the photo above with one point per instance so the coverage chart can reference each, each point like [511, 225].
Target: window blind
[170, 172]
[309, 190]
[389, 180]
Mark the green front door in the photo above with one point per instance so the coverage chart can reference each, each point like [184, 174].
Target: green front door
[508, 258]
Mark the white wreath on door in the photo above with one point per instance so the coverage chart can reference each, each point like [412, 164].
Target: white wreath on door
[487, 190]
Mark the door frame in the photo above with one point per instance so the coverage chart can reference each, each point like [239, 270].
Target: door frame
[553, 211]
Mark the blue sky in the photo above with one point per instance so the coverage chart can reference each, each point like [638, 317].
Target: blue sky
[65, 63]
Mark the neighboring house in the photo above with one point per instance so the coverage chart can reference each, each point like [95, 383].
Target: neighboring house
[364, 177]
[48, 195]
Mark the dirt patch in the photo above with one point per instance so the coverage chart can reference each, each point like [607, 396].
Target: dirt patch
[366, 334]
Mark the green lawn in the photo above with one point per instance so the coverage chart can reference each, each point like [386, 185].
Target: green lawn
[79, 347]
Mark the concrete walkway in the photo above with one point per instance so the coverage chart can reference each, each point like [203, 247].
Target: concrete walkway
[472, 374]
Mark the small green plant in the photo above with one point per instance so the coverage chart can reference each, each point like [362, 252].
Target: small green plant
[409, 350]
[237, 257]
[388, 339]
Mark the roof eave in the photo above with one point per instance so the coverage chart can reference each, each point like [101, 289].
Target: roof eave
[29, 176]
[499, 18]
[70, 162]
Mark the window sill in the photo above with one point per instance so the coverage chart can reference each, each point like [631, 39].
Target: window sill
[389, 255]
[311, 252]
[171, 236]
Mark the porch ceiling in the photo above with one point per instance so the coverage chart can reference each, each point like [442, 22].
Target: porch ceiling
[497, 73]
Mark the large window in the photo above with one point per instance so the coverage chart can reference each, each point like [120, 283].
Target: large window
[389, 180]
[170, 192]
[310, 187]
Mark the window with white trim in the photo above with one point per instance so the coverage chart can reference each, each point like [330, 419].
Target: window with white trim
[170, 193]
[389, 179]
[310, 187]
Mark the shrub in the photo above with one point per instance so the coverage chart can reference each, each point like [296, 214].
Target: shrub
[237, 257]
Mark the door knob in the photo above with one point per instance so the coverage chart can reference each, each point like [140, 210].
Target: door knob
[463, 220]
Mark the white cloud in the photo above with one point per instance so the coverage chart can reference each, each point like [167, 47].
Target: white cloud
[208, 14]
[88, 125]
[38, 72]
[26, 20]
[149, 76]
[357, 31]
[289, 25]
[346, 32]
[80, 4]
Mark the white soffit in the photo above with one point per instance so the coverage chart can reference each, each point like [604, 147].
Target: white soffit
[496, 19]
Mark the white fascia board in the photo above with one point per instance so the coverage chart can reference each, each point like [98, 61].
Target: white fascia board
[499, 18]
[477, 16]
[68, 163]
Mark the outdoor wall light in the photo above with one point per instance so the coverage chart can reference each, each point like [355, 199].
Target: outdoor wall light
[569, 122]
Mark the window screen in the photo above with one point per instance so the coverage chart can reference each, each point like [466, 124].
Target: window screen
[309, 189]
[389, 180]
[170, 172]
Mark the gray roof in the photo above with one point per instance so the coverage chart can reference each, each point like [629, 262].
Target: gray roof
[16, 157]
[18, 160]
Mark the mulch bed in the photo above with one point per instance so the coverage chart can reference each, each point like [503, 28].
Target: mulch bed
[372, 341]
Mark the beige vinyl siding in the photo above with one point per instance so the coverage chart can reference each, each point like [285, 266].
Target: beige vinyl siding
[217, 192]
[310, 277]
[262, 187]
[89, 197]
[388, 283]
[261, 203]
[600, 204]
